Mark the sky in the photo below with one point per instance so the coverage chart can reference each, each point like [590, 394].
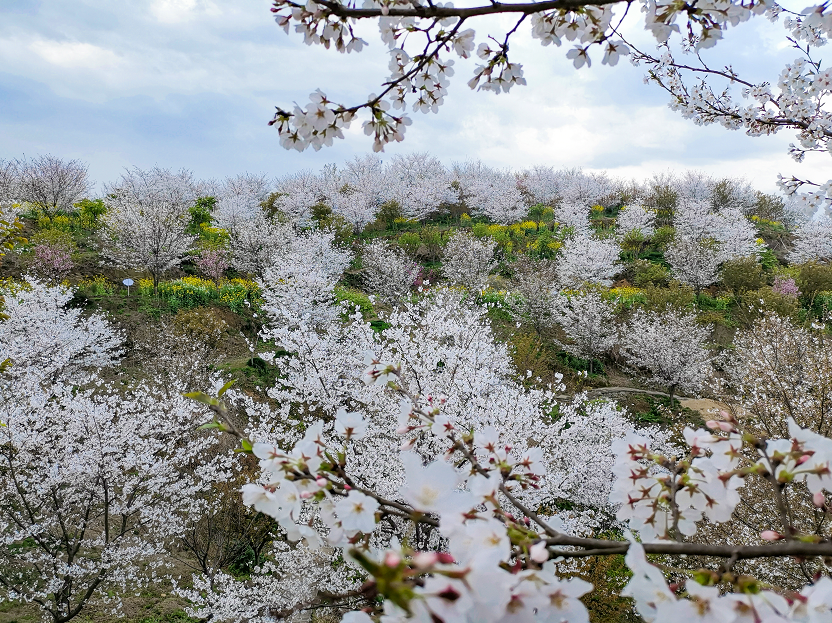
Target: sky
[193, 83]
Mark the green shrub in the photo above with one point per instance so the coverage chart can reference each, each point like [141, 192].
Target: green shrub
[662, 237]
[355, 299]
[813, 278]
[675, 295]
[480, 230]
[410, 242]
[270, 203]
[97, 286]
[498, 303]
[580, 365]
[625, 298]
[768, 207]
[339, 226]
[633, 242]
[432, 239]
[768, 260]
[213, 237]
[527, 354]
[321, 212]
[202, 324]
[200, 214]
[536, 212]
[60, 222]
[89, 211]
[822, 304]
[743, 274]
[707, 302]
[754, 304]
[389, 212]
[646, 272]
[55, 237]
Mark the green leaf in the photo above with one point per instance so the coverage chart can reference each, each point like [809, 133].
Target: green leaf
[210, 425]
[226, 387]
[203, 398]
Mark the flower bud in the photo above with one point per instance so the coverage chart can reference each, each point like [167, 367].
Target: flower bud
[321, 482]
[819, 499]
[723, 426]
[770, 535]
[392, 559]
[423, 560]
[726, 416]
[539, 553]
[305, 495]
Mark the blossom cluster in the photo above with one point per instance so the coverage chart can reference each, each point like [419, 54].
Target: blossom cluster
[421, 39]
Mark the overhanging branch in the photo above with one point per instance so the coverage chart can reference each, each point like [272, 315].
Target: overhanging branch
[431, 11]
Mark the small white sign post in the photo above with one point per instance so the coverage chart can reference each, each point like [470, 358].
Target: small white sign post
[128, 282]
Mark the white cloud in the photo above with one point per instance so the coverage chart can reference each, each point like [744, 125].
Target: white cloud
[74, 54]
[179, 11]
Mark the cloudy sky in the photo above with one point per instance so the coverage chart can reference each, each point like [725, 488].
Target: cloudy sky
[192, 83]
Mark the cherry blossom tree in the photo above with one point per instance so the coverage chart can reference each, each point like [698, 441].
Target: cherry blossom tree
[670, 345]
[299, 287]
[777, 372]
[146, 219]
[419, 184]
[388, 272]
[94, 488]
[47, 341]
[97, 480]
[589, 323]
[467, 260]
[794, 100]
[8, 183]
[297, 194]
[50, 183]
[239, 201]
[584, 259]
[535, 286]
[488, 192]
[574, 215]
[694, 263]
[256, 244]
[634, 217]
[541, 185]
[733, 234]
[546, 186]
[813, 241]
[434, 338]
[705, 239]
[256, 239]
[52, 261]
[213, 263]
[586, 189]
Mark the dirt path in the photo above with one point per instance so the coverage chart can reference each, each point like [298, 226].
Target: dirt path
[705, 406]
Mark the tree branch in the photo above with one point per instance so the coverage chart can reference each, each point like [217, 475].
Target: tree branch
[430, 11]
